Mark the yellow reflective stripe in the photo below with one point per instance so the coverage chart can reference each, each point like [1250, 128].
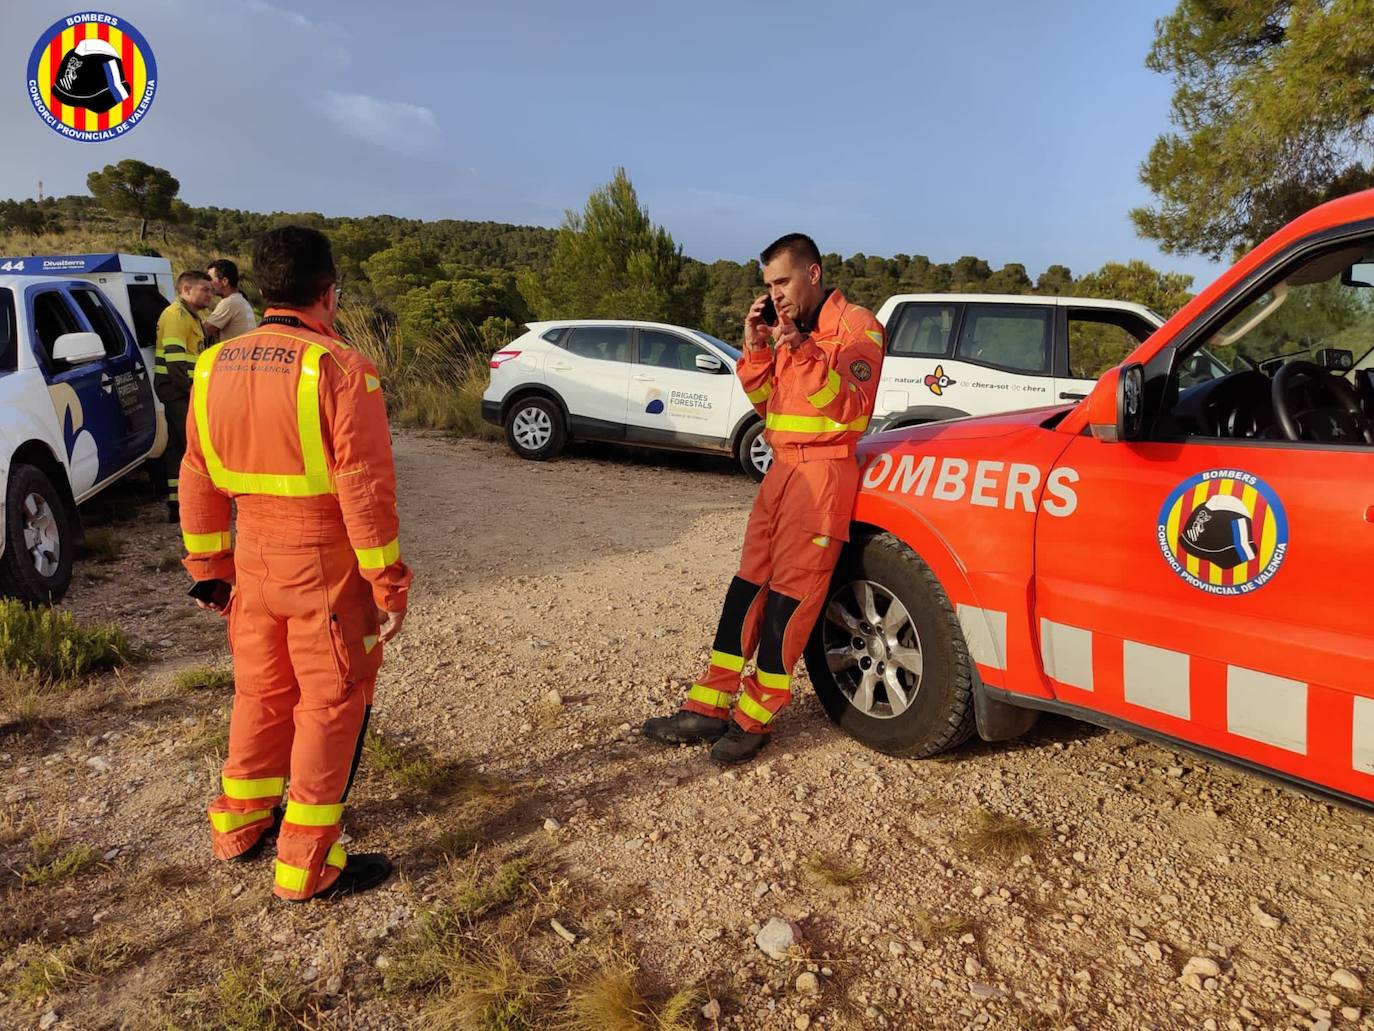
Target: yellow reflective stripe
[316, 479]
[827, 393]
[727, 661]
[774, 681]
[293, 878]
[812, 423]
[710, 696]
[203, 543]
[369, 642]
[227, 822]
[749, 707]
[247, 790]
[167, 342]
[823, 542]
[378, 558]
[760, 395]
[304, 815]
[180, 356]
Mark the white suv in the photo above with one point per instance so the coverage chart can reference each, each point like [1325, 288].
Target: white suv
[641, 383]
[951, 355]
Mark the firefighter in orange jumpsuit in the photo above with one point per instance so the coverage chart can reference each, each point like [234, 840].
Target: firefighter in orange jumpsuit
[288, 424]
[815, 388]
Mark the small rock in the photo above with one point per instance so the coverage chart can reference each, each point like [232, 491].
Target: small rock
[1153, 950]
[1321, 1025]
[972, 967]
[110, 854]
[1351, 1013]
[48, 1020]
[98, 764]
[1347, 979]
[1303, 1003]
[334, 985]
[1202, 967]
[382, 963]
[551, 824]
[983, 991]
[802, 1022]
[1265, 919]
[711, 1011]
[896, 949]
[554, 697]
[808, 983]
[777, 938]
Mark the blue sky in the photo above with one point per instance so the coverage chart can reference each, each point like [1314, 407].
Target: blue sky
[1007, 130]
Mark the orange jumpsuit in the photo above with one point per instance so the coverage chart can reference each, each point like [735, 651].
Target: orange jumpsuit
[290, 424]
[816, 401]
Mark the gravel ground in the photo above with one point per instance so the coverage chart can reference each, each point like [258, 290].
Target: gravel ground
[556, 607]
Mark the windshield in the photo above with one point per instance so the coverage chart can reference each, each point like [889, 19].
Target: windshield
[730, 349]
[1310, 310]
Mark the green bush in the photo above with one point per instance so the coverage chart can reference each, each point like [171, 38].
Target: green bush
[50, 644]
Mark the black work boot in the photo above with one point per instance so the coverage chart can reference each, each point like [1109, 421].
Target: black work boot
[738, 745]
[362, 872]
[256, 849]
[684, 728]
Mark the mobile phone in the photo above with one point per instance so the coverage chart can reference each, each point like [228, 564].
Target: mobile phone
[212, 592]
[769, 313]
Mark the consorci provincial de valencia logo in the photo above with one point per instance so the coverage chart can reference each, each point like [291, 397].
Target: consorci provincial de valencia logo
[92, 77]
[1223, 531]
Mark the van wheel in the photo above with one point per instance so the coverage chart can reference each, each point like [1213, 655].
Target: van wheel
[887, 656]
[755, 456]
[534, 429]
[37, 564]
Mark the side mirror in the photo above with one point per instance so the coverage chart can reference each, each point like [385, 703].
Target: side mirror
[1359, 274]
[78, 348]
[709, 363]
[1116, 407]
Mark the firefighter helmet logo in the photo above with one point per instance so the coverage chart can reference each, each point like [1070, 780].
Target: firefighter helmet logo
[92, 77]
[937, 381]
[1224, 532]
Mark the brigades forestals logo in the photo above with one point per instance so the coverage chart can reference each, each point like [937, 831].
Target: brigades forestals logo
[92, 77]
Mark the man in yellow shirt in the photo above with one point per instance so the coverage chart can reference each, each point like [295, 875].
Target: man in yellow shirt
[180, 337]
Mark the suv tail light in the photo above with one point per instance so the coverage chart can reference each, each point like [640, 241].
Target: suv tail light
[501, 357]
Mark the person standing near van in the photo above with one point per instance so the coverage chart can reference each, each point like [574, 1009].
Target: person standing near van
[233, 315]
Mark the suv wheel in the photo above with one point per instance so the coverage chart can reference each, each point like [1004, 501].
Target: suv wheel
[37, 564]
[755, 456]
[887, 656]
[534, 428]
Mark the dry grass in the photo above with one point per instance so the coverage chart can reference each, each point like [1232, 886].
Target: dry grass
[164, 562]
[50, 644]
[612, 999]
[43, 972]
[204, 678]
[1001, 837]
[931, 927]
[103, 545]
[44, 870]
[207, 739]
[433, 384]
[23, 699]
[248, 996]
[833, 872]
[491, 989]
[415, 767]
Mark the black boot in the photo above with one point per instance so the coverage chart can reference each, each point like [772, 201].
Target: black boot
[684, 728]
[738, 745]
[270, 835]
[362, 872]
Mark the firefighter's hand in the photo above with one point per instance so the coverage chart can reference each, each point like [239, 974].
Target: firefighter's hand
[786, 333]
[756, 331]
[390, 623]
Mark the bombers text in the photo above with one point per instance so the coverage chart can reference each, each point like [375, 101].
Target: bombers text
[987, 482]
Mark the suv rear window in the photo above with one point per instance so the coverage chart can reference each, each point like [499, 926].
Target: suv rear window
[921, 330]
[604, 343]
[1009, 336]
[101, 318]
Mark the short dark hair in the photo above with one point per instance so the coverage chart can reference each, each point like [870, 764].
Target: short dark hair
[225, 269]
[293, 266]
[190, 276]
[799, 245]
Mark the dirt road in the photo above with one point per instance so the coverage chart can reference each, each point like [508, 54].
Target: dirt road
[1150, 888]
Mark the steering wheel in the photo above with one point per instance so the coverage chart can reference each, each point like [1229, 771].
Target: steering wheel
[1343, 419]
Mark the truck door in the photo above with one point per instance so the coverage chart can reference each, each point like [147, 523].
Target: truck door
[125, 381]
[675, 402]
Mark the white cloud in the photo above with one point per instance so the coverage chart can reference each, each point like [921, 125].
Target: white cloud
[294, 17]
[392, 124]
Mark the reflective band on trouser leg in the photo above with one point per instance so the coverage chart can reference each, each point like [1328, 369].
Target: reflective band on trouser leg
[292, 881]
[827, 393]
[714, 691]
[764, 696]
[242, 812]
[378, 558]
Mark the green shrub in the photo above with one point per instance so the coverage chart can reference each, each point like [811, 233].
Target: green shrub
[52, 645]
